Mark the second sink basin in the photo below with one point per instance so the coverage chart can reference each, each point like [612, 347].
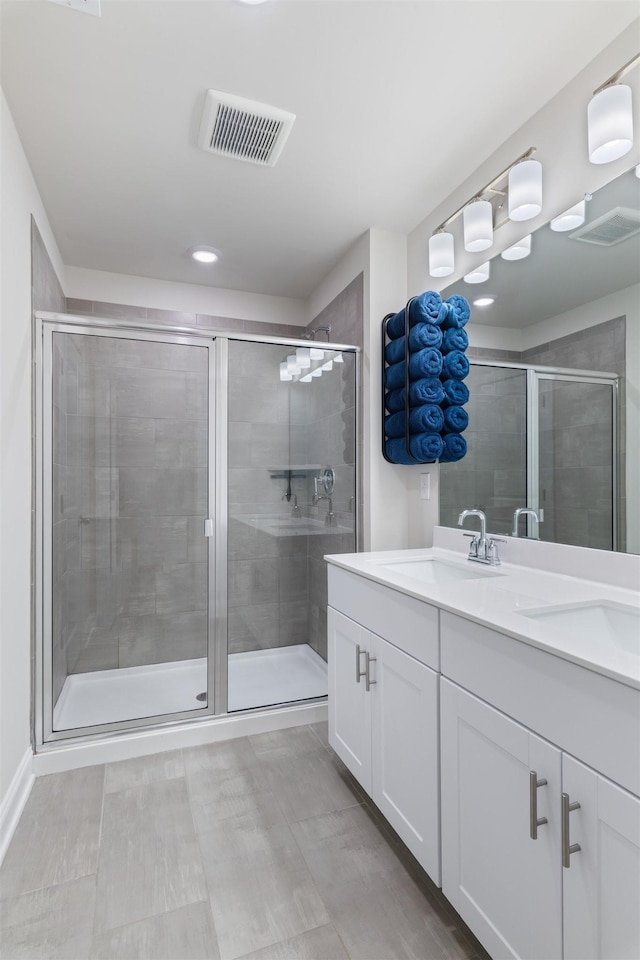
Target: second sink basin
[431, 570]
[593, 621]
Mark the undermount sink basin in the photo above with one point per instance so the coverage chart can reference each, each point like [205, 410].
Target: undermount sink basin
[593, 621]
[430, 570]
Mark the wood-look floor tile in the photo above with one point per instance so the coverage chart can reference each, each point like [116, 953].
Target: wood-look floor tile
[142, 770]
[323, 943]
[283, 744]
[58, 834]
[183, 934]
[209, 766]
[308, 785]
[150, 860]
[52, 923]
[256, 906]
[321, 731]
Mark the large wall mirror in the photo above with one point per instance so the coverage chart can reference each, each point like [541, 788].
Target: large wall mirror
[554, 409]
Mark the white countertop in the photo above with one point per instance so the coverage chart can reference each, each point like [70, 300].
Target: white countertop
[498, 596]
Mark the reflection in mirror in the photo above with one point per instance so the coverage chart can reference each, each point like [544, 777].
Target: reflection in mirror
[554, 399]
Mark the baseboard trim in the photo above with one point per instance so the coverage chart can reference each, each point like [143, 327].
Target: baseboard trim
[14, 800]
[56, 758]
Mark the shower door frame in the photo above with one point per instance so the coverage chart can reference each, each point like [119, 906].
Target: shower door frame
[46, 326]
[535, 373]
[217, 342]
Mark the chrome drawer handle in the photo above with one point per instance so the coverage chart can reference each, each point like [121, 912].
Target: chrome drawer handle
[367, 679]
[359, 674]
[534, 820]
[567, 847]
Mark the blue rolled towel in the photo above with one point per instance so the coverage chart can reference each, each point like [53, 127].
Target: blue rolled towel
[427, 308]
[454, 448]
[458, 312]
[426, 390]
[456, 419]
[455, 365]
[455, 338]
[427, 418]
[455, 392]
[421, 336]
[425, 447]
[424, 363]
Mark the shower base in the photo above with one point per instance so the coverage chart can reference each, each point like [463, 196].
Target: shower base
[255, 679]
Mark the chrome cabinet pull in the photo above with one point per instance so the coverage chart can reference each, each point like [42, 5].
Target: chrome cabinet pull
[367, 679]
[534, 820]
[360, 673]
[567, 847]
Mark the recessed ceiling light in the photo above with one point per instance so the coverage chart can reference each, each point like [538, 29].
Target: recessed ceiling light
[205, 254]
[483, 301]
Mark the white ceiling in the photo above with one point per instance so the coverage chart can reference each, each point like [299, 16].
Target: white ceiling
[397, 102]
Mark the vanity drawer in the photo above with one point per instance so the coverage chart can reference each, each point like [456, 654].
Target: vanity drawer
[405, 622]
[590, 716]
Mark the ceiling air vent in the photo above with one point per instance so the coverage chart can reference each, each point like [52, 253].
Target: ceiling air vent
[612, 227]
[243, 129]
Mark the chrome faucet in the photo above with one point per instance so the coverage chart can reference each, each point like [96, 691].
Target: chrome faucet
[482, 549]
[330, 517]
[295, 510]
[523, 512]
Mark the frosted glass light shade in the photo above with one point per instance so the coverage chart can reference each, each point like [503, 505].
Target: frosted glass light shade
[519, 250]
[637, 170]
[306, 379]
[525, 190]
[284, 372]
[610, 123]
[478, 274]
[317, 372]
[292, 366]
[571, 219]
[338, 358]
[478, 226]
[441, 257]
[316, 353]
[303, 357]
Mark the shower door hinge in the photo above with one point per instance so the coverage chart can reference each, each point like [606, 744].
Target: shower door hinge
[208, 528]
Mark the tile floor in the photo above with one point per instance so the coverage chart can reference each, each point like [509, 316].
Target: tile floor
[262, 848]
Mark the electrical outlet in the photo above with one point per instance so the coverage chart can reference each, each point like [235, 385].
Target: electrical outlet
[425, 486]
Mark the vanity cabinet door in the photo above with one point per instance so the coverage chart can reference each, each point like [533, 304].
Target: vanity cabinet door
[602, 881]
[505, 885]
[349, 702]
[405, 751]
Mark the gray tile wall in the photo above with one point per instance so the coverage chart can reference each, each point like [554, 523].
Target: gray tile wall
[492, 476]
[130, 484]
[575, 443]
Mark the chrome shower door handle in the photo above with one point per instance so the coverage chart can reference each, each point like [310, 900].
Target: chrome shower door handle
[367, 678]
[567, 847]
[360, 673]
[534, 820]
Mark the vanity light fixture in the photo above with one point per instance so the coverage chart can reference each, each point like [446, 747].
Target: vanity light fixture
[316, 353]
[284, 371]
[340, 359]
[317, 372]
[479, 274]
[327, 366]
[441, 255]
[571, 219]
[206, 255]
[306, 379]
[477, 218]
[483, 301]
[292, 366]
[518, 250]
[610, 117]
[525, 190]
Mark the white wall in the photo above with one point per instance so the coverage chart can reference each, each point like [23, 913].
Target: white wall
[20, 199]
[86, 284]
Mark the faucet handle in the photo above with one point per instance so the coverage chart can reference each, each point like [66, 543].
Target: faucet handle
[473, 546]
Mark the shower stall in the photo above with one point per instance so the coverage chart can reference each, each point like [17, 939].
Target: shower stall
[186, 496]
[544, 438]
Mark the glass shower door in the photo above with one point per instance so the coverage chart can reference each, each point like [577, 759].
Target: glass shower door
[127, 592]
[576, 474]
